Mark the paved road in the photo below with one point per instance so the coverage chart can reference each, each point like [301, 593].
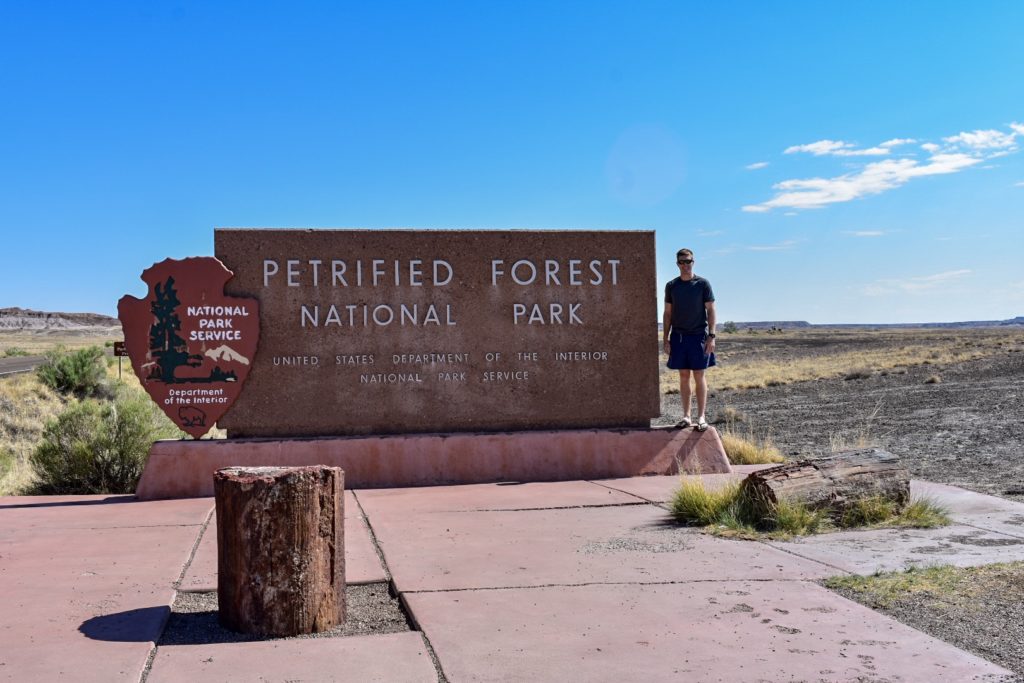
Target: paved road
[16, 364]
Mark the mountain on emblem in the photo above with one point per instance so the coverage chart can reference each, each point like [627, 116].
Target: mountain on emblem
[225, 352]
[168, 333]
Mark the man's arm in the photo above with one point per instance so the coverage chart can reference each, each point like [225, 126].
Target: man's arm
[666, 327]
[709, 345]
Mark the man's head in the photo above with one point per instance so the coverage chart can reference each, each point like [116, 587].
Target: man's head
[684, 259]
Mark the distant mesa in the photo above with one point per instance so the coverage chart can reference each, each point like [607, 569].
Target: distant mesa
[12, 319]
[226, 353]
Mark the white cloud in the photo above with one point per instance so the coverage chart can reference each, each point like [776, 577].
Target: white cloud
[780, 246]
[755, 166]
[876, 177]
[818, 148]
[913, 285]
[981, 140]
[865, 233]
[895, 142]
[960, 151]
[869, 152]
[1020, 184]
[835, 148]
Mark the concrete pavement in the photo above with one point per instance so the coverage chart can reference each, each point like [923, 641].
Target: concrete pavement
[503, 582]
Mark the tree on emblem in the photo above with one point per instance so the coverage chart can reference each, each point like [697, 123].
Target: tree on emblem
[168, 350]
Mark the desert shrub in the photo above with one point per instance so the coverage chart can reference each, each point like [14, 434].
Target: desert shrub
[78, 372]
[6, 462]
[99, 446]
[12, 351]
[933, 379]
[729, 327]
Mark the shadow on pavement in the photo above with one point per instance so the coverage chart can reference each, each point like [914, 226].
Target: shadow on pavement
[113, 500]
[134, 626]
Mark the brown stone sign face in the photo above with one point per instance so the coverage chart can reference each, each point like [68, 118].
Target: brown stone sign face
[191, 346]
[386, 332]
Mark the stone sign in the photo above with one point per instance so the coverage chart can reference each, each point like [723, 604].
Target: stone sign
[389, 332]
[190, 345]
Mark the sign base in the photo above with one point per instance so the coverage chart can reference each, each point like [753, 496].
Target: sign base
[184, 469]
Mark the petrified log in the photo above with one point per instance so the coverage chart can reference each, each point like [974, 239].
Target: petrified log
[280, 549]
[835, 482]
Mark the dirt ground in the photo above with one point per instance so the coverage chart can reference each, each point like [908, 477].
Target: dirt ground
[959, 423]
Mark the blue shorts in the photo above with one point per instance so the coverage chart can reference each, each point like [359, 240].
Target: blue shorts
[687, 352]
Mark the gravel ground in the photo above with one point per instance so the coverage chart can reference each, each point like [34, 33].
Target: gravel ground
[966, 430]
[979, 609]
[370, 609]
[961, 425]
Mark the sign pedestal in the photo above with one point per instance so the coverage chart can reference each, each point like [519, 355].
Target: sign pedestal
[184, 469]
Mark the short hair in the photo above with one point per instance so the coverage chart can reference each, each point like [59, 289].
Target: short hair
[684, 252]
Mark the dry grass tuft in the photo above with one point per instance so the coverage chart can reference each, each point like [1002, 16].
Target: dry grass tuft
[861, 437]
[747, 449]
[933, 379]
[729, 511]
[694, 504]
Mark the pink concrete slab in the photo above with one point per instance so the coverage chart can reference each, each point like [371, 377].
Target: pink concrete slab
[977, 509]
[86, 603]
[96, 512]
[362, 565]
[503, 496]
[866, 552]
[731, 631]
[391, 657]
[632, 543]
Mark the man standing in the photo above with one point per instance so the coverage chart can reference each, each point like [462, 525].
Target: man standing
[689, 332]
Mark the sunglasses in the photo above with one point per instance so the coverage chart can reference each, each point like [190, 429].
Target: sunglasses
[685, 261]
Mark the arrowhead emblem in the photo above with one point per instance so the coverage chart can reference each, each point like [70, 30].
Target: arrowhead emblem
[190, 345]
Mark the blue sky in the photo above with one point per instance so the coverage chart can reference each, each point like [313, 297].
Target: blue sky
[855, 162]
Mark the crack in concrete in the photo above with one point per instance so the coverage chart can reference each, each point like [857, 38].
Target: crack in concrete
[602, 583]
[151, 657]
[373, 538]
[612, 488]
[557, 507]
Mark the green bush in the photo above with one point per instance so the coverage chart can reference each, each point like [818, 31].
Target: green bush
[78, 372]
[729, 327]
[99, 446]
[12, 351]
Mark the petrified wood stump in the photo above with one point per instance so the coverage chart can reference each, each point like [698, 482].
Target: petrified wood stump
[835, 482]
[280, 549]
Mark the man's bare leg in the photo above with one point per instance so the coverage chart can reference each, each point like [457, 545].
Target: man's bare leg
[684, 391]
[701, 386]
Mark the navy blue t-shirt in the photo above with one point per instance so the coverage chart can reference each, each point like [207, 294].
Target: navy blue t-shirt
[688, 298]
